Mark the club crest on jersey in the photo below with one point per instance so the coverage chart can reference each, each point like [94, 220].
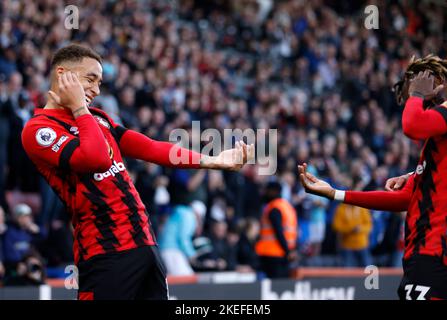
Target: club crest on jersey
[102, 122]
[45, 136]
[116, 167]
[74, 130]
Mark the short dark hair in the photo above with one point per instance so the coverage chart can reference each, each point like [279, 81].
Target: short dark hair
[75, 53]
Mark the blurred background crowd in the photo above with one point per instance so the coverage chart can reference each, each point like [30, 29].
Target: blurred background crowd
[309, 69]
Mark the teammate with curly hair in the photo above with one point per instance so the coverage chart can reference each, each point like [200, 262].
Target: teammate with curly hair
[424, 195]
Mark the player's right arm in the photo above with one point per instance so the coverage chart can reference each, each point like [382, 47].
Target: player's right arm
[51, 145]
[376, 200]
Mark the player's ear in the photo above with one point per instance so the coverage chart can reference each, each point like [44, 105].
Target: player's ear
[60, 70]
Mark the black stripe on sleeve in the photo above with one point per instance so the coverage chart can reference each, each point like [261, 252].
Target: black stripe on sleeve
[442, 111]
[118, 133]
[64, 160]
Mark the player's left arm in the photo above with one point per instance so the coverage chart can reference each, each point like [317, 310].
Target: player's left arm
[139, 146]
[136, 145]
[418, 123]
[376, 200]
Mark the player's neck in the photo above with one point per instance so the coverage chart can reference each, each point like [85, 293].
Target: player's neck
[51, 105]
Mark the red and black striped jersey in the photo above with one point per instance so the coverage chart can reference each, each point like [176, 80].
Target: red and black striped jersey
[426, 221]
[106, 211]
[424, 196]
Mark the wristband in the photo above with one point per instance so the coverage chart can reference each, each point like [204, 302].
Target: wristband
[339, 195]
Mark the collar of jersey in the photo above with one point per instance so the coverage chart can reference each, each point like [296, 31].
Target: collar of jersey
[65, 113]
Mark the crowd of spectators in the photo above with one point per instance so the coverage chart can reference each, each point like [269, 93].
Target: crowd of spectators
[309, 69]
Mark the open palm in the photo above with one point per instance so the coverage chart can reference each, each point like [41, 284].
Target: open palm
[314, 185]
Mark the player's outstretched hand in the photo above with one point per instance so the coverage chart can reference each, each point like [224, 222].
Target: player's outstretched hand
[314, 185]
[232, 159]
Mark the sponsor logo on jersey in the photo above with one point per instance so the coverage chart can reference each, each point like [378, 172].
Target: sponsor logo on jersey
[45, 136]
[102, 122]
[116, 167]
[59, 143]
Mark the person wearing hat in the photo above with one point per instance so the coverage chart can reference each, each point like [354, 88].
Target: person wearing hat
[276, 246]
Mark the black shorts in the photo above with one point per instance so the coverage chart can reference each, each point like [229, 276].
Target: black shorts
[136, 274]
[425, 278]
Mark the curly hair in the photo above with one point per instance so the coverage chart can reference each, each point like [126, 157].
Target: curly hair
[435, 64]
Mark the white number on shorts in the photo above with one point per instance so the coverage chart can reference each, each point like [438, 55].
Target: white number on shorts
[421, 289]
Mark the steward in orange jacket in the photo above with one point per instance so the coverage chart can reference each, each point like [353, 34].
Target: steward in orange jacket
[279, 232]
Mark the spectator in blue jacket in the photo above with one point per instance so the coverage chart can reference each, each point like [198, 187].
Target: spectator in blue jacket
[176, 237]
[20, 236]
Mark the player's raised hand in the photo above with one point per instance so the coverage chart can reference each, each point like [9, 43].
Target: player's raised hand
[70, 92]
[314, 185]
[423, 85]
